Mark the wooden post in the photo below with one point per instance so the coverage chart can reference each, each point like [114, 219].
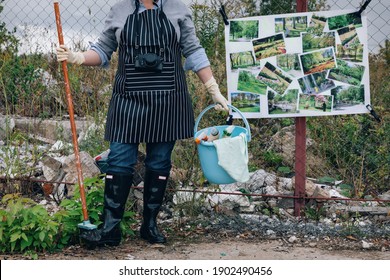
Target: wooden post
[300, 147]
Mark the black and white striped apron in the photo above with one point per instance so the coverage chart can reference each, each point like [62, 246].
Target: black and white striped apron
[148, 107]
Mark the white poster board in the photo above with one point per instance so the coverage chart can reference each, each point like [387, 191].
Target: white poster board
[297, 65]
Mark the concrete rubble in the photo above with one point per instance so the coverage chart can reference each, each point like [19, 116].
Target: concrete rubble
[263, 202]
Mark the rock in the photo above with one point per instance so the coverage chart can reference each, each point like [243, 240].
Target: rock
[270, 190]
[313, 190]
[366, 245]
[248, 209]
[60, 145]
[283, 142]
[385, 196]
[293, 239]
[272, 203]
[50, 129]
[334, 193]
[51, 168]
[183, 197]
[327, 221]
[88, 168]
[52, 171]
[262, 182]
[285, 203]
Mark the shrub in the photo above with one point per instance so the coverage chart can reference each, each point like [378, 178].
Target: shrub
[28, 226]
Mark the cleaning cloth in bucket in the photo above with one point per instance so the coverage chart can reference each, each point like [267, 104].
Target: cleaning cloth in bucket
[233, 156]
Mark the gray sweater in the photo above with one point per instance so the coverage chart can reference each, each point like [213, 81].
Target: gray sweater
[179, 15]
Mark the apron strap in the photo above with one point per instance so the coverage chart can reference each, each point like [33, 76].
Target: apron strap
[137, 28]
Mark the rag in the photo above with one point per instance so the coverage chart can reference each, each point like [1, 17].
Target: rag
[232, 155]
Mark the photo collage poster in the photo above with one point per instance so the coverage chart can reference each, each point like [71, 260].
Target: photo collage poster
[297, 65]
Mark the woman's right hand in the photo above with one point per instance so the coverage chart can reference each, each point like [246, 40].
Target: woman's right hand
[64, 54]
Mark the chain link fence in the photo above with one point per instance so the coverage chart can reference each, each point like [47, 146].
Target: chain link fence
[353, 157]
[83, 21]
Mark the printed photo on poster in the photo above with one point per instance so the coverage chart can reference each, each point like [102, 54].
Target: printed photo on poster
[315, 83]
[282, 104]
[269, 46]
[242, 60]
[312, 42]
[318, 61]
[347, 72]
[246, 102]
[348, 97]
[291, 26]
[316, 103]
[348, 36]
[247, 81]
[289, 63]
[317, 24]
[345, 20]
[274, 78]
[244, 31]
[353, 53]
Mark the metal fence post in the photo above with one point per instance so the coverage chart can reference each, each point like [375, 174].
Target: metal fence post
[300, 147]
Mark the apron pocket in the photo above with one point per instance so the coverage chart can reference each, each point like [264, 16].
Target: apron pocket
[150, 81]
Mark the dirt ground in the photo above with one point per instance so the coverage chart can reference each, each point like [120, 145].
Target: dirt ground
[224, 249]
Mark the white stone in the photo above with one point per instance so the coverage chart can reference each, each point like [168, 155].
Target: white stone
[366, 245]
[327, 221]
[270, 232]
[270, 190]
[334, 193]
[59, 145]
[292, 239]
[183, 197]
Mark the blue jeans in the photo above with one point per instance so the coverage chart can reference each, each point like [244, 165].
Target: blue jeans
[123, 157]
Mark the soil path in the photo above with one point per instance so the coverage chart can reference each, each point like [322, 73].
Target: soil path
[227, 249]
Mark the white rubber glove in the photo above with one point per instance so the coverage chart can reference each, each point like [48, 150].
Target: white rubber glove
[220, 101]
[63, 53]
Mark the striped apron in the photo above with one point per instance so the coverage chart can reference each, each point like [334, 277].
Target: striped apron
[149, 107]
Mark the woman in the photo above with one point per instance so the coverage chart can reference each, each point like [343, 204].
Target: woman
[150, 102]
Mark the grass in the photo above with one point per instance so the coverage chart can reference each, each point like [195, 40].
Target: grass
[250, 109]
[255, 88]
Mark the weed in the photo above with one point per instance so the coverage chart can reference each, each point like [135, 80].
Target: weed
[314, 212]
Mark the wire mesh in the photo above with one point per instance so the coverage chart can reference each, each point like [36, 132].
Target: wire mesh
[82, 22]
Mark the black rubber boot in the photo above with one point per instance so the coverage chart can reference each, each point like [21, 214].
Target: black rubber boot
[117, 188]
[154, 189]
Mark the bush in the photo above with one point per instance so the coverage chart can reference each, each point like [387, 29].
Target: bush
[27, 226]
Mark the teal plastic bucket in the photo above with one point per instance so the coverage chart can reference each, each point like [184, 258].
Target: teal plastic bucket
[207, 152]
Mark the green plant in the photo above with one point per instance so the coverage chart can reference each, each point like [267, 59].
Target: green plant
[93, 143]
[73, 214]
[27, 226]
[284, 170]
[314, 212]
[247, 193]
[272, 158]
[351, 226]
[346, 190]
[327, 180]
[14, 157]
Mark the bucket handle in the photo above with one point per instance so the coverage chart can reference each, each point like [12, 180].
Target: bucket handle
[248, 135]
